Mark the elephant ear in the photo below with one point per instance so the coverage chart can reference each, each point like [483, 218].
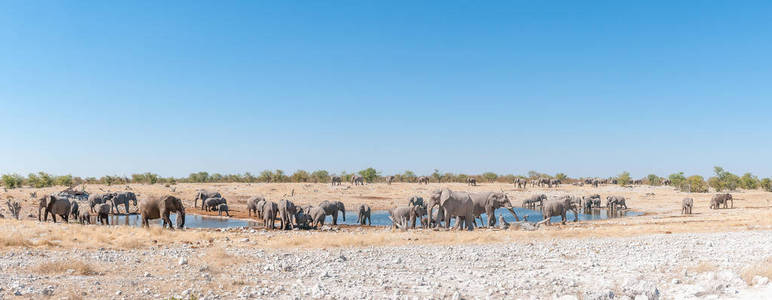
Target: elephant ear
[444, 195]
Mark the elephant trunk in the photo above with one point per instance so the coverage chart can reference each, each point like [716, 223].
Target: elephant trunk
[344, 214]
[511, 210]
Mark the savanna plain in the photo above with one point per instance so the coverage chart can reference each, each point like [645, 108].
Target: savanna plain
[661, 254]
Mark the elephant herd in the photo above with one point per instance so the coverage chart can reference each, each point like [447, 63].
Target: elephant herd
[291, 215]
[715, 202]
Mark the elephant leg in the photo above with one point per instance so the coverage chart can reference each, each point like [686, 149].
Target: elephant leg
[335, 218]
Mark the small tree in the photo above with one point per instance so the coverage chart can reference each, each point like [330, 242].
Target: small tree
[436, 175]
[409, 176]
[562, 177]
[624, 178]
[369, 174]
[676, 179]
[278, 176]
[12, 181]
[749, 182]
[695, 184]
[766, 184]
[490, 176]
[320, 176]
[654, 179]
[65, 180]
[265, 176]
[300, 176]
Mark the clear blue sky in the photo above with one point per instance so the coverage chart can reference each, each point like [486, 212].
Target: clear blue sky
[586, 88]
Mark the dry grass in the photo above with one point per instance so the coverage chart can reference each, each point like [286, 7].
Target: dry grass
[763, 268]
[63, 267]
[217, 260]
[702, 267]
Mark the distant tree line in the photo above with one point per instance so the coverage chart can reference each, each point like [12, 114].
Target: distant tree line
[721, 181]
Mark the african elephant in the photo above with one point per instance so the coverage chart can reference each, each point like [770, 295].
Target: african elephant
[438, 216]
[42, 208]
[558, 207]
[487, 203]
[335, 180]
[554, 182]
[95, 199]
[520, 183]
[203, 195]
[103, 213]
[471, 181]
[534, 201]
[331, 208]
[212, 203]
[686, 206]
[84, 217]
[154, 208]
[57, 206]
[416, 201]
[612, 202]
[287, 213]
[223, 208]
[423, 179]
[303, 219]
[357, 180]
[74, 209]
[719, 199]
[389, 179]
[364, 215]
[403, 216]
[123, 198]
[317, 216]
[252, 205]
[454, 204]
[269, 211]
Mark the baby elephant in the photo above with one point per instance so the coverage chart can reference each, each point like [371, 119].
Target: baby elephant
[84, 217]
[103, 212]
[212, 203]
[223, 208]
[686, 206]
[364, 214]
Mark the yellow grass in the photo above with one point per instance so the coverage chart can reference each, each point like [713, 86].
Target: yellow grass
[61, 267]
[702, 267]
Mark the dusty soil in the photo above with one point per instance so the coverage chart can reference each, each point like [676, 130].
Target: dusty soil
[721, 250]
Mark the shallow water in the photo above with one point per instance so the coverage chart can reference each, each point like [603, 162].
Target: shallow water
[378, 218]
[191, 221]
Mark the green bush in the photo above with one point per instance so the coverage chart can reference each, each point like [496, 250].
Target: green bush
[12, 181]
[265, 176]
[320, 176]
[562, 177]
[766, 184]
[409, 176]
[65, 180]
[369, 174]
[490, 176]
[676, 179]
[723, 180]
[300, 176]
[749, 182]
[436, 175]
[695, 184]
[654, 179]
[278, 176]
[624, 178]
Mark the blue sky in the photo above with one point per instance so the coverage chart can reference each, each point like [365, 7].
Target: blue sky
[586, 88]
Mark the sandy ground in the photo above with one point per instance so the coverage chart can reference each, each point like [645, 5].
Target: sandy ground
[100, 250]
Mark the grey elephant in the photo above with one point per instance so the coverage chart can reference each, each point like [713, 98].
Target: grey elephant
[423, 179]
[488, 202]
[357, 180]
[614, 202]
[212, 203]
[364, 215]
[335, 180]
[331, 208]
[389, 179]
[416, 201]
[103, 213]
[123, 198]
[42, 208]
[269, 211]
[203, 195]
[155, 208]
[520, 183]
[317, 216]
[402, 216]
[84, 216]
[454, 204]
[471, 181]
[223, 208]
[686, 206]
[74, 210]
[438, 216]
[287, 213]
[57, 206]
[554, 182]
[253, 203]
[719, 199]
[96, 199]
[558, 207]
[303, 220]
[534, 201]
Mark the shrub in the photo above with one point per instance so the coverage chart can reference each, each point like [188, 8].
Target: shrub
[278, 176]
[436, 175]
[369, 174]
[320, 176]
[624, 178]
[408, 176]
[676, 179]
[749, 182]
[562, 177]
[723, 180]
[490, 176]
[12, 181]
[766, 184]
[265, 176]
[695, 184]
[65, 180]
[654, 179]
[300, 176]
[198, 177]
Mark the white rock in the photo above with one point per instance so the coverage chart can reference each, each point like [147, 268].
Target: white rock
[182, 261]
[759, 281]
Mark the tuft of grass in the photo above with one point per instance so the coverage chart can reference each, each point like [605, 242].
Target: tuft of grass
[61, 267]
[763, 268]
[702, 267]
[14, 239]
